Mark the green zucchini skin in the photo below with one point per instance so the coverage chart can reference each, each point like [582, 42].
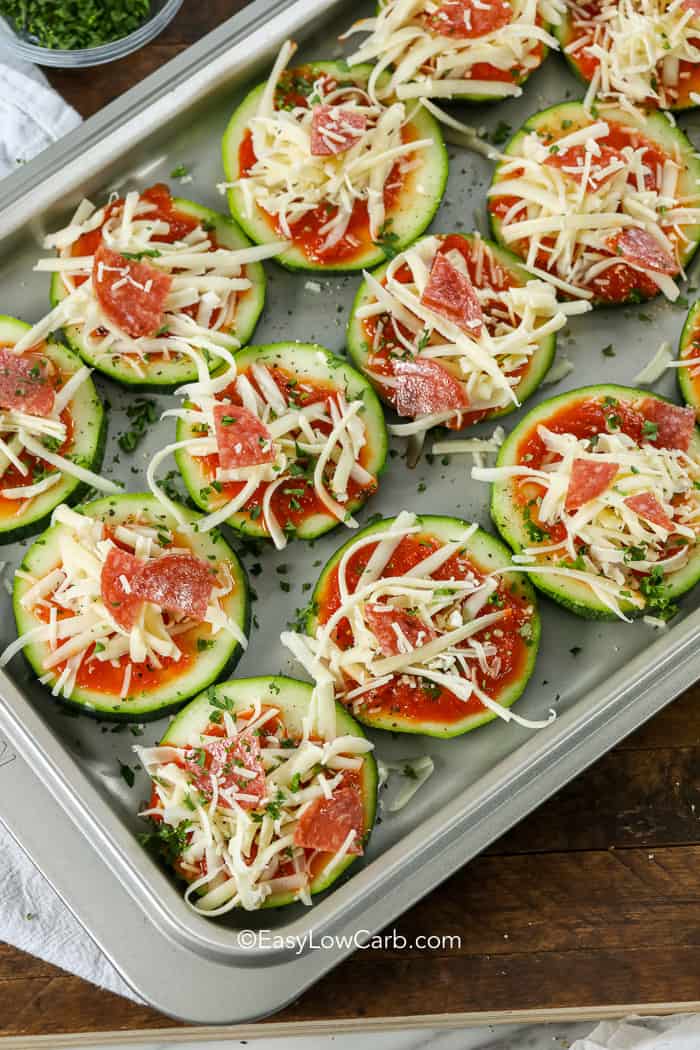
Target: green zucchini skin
[292, 697]
[658, 129]
[208, 666]
[531, 379]
[487, 552]
[574, 596]
[90, 436]
[309, 361]
[166, 376]
[408, 221]
[691, 331]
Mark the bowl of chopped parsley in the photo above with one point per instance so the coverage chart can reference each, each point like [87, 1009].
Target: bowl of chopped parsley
[75, 33]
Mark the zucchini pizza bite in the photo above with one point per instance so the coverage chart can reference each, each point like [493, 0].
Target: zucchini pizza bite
[454, 330]
[124, 614]
[641, 51]
[264, 792]
[52, 430]
[421, 627]
[147, 282]
[605, 207]
[345, 181]
[289, 441]
[598, 493]
[476, 50]
[688, 364]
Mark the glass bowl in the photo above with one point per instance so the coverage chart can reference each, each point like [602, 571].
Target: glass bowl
[162, 13]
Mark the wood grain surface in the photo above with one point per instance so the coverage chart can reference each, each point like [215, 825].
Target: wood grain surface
[593, 900]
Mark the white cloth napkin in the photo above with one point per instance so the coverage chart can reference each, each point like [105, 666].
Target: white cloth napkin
[32, 115]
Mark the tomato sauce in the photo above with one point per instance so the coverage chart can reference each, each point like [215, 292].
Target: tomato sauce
[382, 360]
[306, 235]
[414, 701]
[618, 283]
[292, 503]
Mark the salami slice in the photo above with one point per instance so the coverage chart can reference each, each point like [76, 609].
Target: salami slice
[573, 162]
[450, 293]
[674, 426]
[237, 767]
[122, 602]
[242, 440]
[641, 248]
[131, 293]
[335, 130]
[648, 507]
[179, 583]
[25, 383]
[424, 386]
[588, 480]
[468, 19]
[327, 822]
[391, 626]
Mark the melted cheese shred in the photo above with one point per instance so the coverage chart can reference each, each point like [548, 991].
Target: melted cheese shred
[329, 434]
[288, 182]
[487, 362]
[609, 547]
[448, 615]
[405, 40]
[73, 589]
[570, 215]
[638, 46]
[245, 842]
[208, 281]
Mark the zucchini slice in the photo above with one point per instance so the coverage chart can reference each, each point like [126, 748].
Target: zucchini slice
[670, 43]
[689, 378]
[471, 52]
[411, 695]
[207, 731]
[380, 345]
[158, 362]
[621, 441]
[615, 259]
[78, 431]
[276, 383]
[409, 207]
[131, 688]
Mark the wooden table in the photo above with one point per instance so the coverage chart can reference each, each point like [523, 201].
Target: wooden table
[592, 901]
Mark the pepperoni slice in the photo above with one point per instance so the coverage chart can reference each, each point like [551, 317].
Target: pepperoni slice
[648, 507]
[123, 604]
[25, 383]
[639, 247]
[424, 386]
[230, 761]
[450, 293]
[588, 480]
[335, 130]
[674, 425]
[572, 162]
[692, 5]
[243, 441]
[131, 293]
[388, 624]
[179, 583]
[468, 19]
[327, 822]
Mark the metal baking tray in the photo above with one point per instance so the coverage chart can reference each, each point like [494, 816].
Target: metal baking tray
[603, 680]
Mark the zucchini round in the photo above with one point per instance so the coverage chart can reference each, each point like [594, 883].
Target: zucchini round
[519, 530]
[656, 131]
[86, 442]
[292, 698]
[406, 218]
[210, 657]
[166, 374]
[304, 516]
[689, 378]
[530, 376]
[484, 553]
